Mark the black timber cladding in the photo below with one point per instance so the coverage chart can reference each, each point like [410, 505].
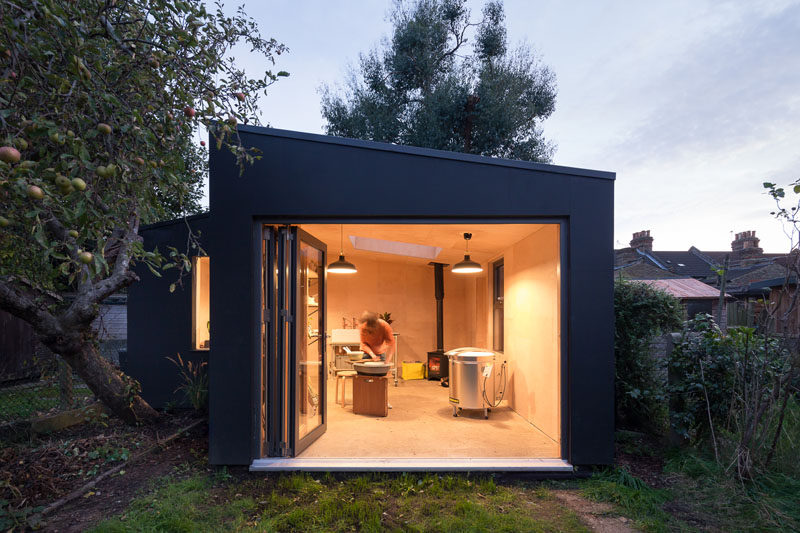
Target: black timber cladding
[160, 321]
[305, 178]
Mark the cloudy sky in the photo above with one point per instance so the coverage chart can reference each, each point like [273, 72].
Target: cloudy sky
[692, 103]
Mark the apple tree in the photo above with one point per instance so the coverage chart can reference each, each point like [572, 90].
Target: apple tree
[99, 103]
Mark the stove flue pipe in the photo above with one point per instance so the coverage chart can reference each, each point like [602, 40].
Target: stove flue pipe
[438, 291]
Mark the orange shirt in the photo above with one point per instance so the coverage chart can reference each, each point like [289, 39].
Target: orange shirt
[380, 340]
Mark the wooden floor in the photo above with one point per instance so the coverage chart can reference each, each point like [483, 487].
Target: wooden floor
[421, 425]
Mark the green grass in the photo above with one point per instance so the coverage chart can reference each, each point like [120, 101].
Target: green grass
[702, 494]
[770, 503]
[632, 497]
[305, 502]
[23, 402]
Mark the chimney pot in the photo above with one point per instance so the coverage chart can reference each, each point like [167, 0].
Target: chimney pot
[745, 245]
[642, 241]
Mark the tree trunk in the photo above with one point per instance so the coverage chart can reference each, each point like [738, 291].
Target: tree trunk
[117, 391]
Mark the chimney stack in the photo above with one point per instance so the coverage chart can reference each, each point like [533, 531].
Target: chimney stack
[745, 245]
[642, 241]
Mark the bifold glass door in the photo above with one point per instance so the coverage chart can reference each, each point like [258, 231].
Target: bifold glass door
[293, 390]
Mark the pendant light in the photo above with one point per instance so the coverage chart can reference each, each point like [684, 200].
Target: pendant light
[467, 266]
[341, 266]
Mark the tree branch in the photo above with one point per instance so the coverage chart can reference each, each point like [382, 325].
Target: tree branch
[82, 308]
[23, 303]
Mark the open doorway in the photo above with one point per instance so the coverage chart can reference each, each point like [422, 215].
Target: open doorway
[511, 308]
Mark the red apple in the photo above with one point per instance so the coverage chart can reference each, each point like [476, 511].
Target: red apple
[240, 96]
[9, 154]
[138, 160]
[202, 143]
[35, 193]
[189, 111]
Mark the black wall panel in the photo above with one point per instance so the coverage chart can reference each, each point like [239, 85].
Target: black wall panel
[159, 321]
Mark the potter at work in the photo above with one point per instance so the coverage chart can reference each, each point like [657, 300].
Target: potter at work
[377, 337]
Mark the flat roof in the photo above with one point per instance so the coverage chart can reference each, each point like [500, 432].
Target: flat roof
[427, 152]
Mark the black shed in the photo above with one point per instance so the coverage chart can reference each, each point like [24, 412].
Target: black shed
[536, 311]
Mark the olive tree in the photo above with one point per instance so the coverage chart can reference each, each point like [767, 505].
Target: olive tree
[99, 100]
[444, 81]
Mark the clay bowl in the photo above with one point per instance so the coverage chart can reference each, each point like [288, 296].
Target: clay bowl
[372, 368]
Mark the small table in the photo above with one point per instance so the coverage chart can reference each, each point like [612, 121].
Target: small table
[371, 395]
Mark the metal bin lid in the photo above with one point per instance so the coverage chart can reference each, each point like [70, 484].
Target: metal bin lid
[469, 353]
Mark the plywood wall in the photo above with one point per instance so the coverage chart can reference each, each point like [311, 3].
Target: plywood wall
[406, 291]
[532, 329]
[532, 315]
[201, 309]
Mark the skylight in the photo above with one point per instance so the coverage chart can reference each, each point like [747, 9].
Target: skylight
[395, 247]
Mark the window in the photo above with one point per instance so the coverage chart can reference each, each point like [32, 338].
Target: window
[201, 318]
[497, 305]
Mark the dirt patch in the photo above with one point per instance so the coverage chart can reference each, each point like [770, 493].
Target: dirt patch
[39, 472]
[113, 495]
[597, 515]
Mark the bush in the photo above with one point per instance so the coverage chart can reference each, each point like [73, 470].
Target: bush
[734, 391]
[194, 382]
[641, 312]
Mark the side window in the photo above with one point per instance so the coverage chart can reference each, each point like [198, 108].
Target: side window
[201, 318]
[497, 305]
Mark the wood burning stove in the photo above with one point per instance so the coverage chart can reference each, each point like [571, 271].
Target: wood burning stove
[438, 366]
[437, 360]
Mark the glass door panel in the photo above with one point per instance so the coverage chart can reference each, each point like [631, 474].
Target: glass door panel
[309, 365]
[309, 358]
[292, 371]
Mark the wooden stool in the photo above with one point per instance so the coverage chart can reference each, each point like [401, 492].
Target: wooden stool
[343, 376]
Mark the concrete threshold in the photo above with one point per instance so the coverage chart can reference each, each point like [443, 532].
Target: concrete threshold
[410, 464]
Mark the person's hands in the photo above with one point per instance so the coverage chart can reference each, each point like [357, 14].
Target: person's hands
[375, 357]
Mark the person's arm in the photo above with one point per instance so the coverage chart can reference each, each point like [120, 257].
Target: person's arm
[391, 347]
[364, 347]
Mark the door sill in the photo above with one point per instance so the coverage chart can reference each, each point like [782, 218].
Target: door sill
[410, 464]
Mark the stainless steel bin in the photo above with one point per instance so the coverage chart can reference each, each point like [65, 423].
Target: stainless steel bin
[471, 382]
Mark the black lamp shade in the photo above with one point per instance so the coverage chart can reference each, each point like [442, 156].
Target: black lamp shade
[467, 266]
[341, 266]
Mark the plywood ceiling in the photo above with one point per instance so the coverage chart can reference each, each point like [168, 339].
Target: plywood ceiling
[488, 240]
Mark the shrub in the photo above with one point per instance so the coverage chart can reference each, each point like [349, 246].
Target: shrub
[641, 312]
[194, 382]
[734, 391]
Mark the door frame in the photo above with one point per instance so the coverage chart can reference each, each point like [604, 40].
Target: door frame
[297, 444]
[564, 240]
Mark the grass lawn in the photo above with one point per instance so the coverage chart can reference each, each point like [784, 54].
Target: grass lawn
[324, 502]
[687, 490]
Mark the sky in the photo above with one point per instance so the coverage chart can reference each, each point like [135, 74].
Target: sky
[693, 104]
